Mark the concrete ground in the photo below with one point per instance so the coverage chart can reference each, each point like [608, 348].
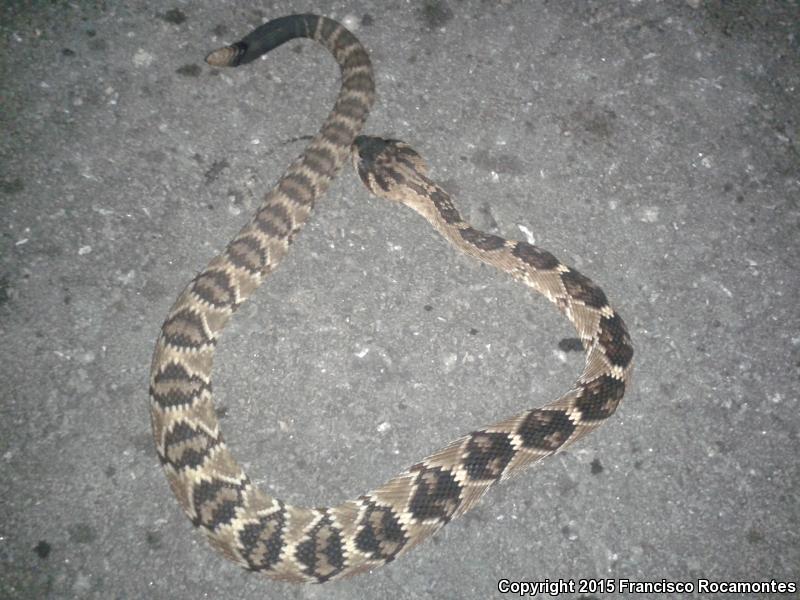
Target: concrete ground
[653, 145]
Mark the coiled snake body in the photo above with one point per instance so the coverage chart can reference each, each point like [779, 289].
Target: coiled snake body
[299, 544]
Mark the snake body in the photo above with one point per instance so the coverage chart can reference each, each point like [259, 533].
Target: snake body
[298, 544]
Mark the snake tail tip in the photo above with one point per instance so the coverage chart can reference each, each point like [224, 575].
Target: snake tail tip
[222, 57]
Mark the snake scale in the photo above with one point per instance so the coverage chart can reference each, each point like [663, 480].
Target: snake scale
[298, 544]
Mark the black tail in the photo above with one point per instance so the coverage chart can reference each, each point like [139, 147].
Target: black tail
[263, 39]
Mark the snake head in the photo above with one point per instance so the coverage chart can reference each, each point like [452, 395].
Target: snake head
[384, 164]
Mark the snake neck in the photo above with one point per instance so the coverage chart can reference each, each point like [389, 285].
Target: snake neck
[393, 170]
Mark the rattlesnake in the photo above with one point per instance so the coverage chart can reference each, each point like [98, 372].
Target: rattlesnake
[319, 544]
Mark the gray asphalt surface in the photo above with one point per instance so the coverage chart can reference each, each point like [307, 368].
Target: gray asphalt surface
[653, 145]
